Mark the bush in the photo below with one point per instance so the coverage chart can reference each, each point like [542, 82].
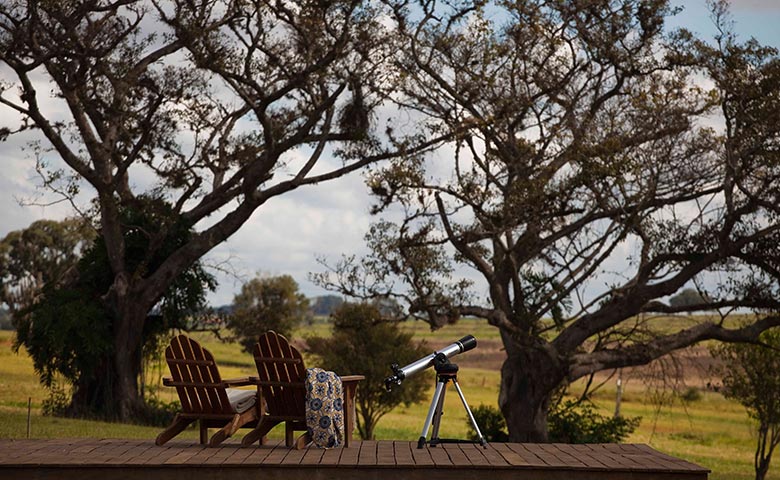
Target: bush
[58, 401]
[691, 394]
[491, 423]
[157, 413]
[573, 422]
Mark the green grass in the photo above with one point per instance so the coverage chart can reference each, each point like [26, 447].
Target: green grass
[713, 432]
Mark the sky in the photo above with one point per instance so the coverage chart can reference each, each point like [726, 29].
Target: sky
[289, 233]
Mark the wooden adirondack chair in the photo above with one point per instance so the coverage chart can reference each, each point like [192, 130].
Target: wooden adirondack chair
[281, 385]
[204, 395]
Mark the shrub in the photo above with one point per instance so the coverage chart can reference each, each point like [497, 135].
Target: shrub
[578, 422]
[691, 394]
[491, 423]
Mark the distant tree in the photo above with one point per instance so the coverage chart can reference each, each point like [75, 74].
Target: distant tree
[751, 376]
[267, 303]
[326, 304]
[43, 253]
[5, 320]
[364, 342]
[689, 297]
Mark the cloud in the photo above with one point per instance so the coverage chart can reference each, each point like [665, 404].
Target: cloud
[287, 234]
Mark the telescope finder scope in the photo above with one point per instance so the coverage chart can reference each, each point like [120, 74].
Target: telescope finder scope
[399, 374]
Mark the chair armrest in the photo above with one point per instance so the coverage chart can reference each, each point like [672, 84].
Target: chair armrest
[352, 378]
[237, 382]
[167, 381]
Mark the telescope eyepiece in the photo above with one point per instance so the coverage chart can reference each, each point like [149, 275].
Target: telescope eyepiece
[467, 343]
[395, 379]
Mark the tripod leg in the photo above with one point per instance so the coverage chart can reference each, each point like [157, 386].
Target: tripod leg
[437, 416]
[429, 417]
[482, 440]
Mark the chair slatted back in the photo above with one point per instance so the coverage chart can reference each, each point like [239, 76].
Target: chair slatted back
[196, 377]
[283, 375]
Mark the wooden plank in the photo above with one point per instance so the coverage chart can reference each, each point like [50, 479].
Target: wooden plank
[403, 453]
[349, 456]
[563, 453]
[332, 456]
[276, 456]
[456, 454]
[439, 456]
[422, 456]
[137, 450]
[493, 457]
[584, 454]
[239, 456]
[476, 455]
[510, 456]
[367, 455]
[531, 458]
[385, 453]
[294, 457]
[313, 456]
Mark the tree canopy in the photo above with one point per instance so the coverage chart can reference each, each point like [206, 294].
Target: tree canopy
[267, 303]
[583, 181]
[213, 107]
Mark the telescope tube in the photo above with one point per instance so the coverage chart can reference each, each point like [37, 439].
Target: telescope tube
[463, 345]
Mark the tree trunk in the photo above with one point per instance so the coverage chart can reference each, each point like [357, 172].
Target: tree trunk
[128, 339]
[529, 378]
[93, 394]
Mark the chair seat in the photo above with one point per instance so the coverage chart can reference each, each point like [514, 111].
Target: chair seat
[241, 400]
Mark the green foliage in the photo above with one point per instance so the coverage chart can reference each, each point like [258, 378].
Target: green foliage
[491, 423]
[365, 343]
[751, 376]
[578, 422]
[689, 297]
[58, 401]
[567, 422]
[68, 331]
[157, 412]
[267, 303]
[691, 394]
[43, 252]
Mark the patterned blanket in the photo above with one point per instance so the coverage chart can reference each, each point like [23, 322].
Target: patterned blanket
[324, 408]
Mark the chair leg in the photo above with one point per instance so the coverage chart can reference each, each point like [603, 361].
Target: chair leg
[204, 432]
[176, 427]
[302, 441]
[232, 427]
[260, 431]
[289, 434]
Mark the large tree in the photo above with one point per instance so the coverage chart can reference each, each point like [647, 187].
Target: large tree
[582, 186]
[211, 107]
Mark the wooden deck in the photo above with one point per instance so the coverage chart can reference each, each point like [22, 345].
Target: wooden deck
[87, 459]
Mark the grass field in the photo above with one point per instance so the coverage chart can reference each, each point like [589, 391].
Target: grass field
[712, 431]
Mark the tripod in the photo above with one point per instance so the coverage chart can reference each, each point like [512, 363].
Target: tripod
[445, 372]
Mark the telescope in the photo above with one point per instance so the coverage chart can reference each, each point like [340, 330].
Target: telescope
[463, 345]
